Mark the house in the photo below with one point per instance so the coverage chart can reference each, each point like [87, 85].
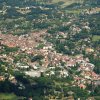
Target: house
[70, 92]
[97, 82]
[52, 73]
[35, 67]
[20, 65]
[91, 98]
[94, 75]
[64, 73]
[2, 78]
[33, 73]
[82, 86]
[30, 98]
[86, 74]
[71, 63]
[11, 45]
[89, 50]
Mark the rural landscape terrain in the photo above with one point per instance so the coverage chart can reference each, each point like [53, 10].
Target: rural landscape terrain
[49, 49]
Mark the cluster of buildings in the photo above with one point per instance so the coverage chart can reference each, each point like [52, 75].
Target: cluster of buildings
[51, 60]
[25, 42]
[53, 63]
[92, 11]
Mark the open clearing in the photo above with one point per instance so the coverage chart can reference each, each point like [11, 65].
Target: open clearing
[6, 96]
[96, 38]
[67, 2]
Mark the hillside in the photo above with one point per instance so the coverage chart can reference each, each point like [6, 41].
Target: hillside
[50, 49]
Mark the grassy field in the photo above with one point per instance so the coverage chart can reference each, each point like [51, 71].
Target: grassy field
[67, 2]
[55, 1]
[97, 97]
[78, 11]
[96, 38]
[7, 96]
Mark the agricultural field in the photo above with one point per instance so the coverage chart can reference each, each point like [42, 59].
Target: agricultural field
[96, 38]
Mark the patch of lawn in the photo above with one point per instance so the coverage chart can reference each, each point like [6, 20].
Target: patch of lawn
[96, 38]
[6, 96]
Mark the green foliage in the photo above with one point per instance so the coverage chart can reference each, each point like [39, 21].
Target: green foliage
[96, 62]
[7, 96]
[79, 92]
[37, 58]
[7, 49]
[97, 91]
[82, 35]
[40, 46]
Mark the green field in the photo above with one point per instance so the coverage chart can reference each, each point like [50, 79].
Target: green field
[96, 38]
[77, 11]
[7, 96]
[97, 97]
[67, 2]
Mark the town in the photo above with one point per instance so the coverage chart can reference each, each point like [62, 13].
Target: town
[54, 50]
